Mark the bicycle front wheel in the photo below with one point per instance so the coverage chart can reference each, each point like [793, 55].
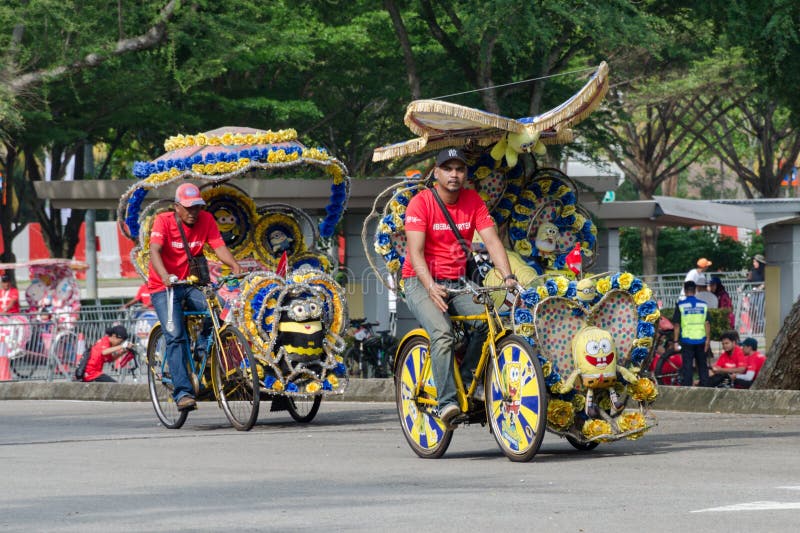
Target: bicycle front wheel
[415, 395]
[63, 354]
[303, 408]
[159, 381]
[516, 400]
[236, 378]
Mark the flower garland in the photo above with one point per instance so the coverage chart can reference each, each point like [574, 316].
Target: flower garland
[393, 224]
[229, 139]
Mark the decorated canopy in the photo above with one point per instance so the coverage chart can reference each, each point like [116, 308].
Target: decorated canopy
[443, 124]
[229, 152]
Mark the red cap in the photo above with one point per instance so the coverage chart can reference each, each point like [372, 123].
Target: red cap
[188, 195]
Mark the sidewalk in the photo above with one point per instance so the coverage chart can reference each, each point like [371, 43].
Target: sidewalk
[692, 399]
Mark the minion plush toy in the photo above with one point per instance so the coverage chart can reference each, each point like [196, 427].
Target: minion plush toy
[300, 330]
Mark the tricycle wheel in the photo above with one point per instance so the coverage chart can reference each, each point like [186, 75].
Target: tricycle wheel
[236, 378]
[516, 401]
[159, 381]
[415, 395]
[303, 408]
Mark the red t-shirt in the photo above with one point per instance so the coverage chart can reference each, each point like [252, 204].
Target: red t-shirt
[731, 360]
[443, 253]
[9, 296]
[754, 362]
[143, 295]
[94, 367]
[165, 232]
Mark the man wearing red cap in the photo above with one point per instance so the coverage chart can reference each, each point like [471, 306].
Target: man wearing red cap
[169, 262]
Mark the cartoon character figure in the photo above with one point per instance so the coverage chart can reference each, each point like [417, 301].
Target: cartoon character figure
[547, 237]
[228, 227]
[586, 291]
[300, 330]
[595, 358]
[510, 427]
[279, 241]
[514, 144]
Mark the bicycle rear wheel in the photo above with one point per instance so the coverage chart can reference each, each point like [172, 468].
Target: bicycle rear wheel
[236, 378]
[159, 381]
[516, 400]
[415, 395]
[303, 408]
[62, 355]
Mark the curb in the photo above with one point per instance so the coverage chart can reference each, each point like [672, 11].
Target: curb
[691, 399]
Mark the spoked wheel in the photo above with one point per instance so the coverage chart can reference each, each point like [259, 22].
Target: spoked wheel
[159, 381]
[582, 446]
[236, 378]
[303, 408]
[415, 395]
[62, 355]
[516, 400]
[27, 364]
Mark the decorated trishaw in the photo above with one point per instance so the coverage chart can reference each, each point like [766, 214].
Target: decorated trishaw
[42, 341]
[289, 307]
[591, 332]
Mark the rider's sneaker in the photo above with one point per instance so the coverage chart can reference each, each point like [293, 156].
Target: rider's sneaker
[448, 413]
[186, 403]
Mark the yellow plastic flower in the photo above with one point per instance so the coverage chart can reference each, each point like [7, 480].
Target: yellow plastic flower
[333, 380]
[603, 285]
[560, 414]
[483, 173]
[562, 190]
[313, 387]
[642, 296]
[643, 390]
[542, 292]
[547, 368]
[645, 342]
[625, 281]
[214, 141]
[595, 428]
[563, 284]
[200, 139]
[250, 138]
[652, 317]
[631, 421]
[526, 330]
[484, 196]
[383, 249]
[522, 210]
[523, 247]
[277, 386]
[393, 265]
[579, 401]
[567, 210]
[545, 185]
[580, 220]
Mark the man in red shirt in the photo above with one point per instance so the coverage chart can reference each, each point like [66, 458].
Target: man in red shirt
[169, 262]
[730, 362]
[9, 295]
[435, 261]
[112, 346]
[754, 361]
[142, 296]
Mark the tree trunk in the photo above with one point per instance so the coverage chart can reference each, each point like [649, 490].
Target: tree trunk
[405, 45]
[649, 255]
[781, 370]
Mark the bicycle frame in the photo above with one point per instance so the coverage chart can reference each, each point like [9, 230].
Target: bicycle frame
[496, 332]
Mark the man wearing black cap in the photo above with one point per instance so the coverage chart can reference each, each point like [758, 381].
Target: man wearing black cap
[109, 348]
[435, 261]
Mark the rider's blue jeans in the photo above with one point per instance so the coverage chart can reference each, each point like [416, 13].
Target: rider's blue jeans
[440, 329]
[177, 340]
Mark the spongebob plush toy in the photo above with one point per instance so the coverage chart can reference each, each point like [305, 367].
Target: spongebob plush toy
[514, 144]
[595, 359]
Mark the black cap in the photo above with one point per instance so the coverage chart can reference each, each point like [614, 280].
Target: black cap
[5, 277]
[118, 331]
[448, 154]
[751, 342]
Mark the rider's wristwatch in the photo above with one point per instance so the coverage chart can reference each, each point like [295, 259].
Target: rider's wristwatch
[510, 276]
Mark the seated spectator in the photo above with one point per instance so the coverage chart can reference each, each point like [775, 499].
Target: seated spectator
[718, 289]
[142, 296]
[730, 362]
[9, 295]
[754, 361]
[112, 346]
[704, 294]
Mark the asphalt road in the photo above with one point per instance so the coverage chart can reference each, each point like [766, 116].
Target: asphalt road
[97, 466]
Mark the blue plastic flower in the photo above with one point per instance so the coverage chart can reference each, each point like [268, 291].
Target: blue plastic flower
[645, 329]
[572, 289]
[523, 316]
[517, 234]
[551, 286]
[638, 355]
[340, 369]
[530, 297]
[647, 308]
[636, 286]
[291, 387]
[326, 385]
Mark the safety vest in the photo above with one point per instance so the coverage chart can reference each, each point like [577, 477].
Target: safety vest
[693, 320]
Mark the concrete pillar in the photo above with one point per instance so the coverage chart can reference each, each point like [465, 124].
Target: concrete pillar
[608, 255]
[782, 250]
[91, 255]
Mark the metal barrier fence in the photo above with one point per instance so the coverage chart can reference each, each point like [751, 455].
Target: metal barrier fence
[46, 346]
[748, 302]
